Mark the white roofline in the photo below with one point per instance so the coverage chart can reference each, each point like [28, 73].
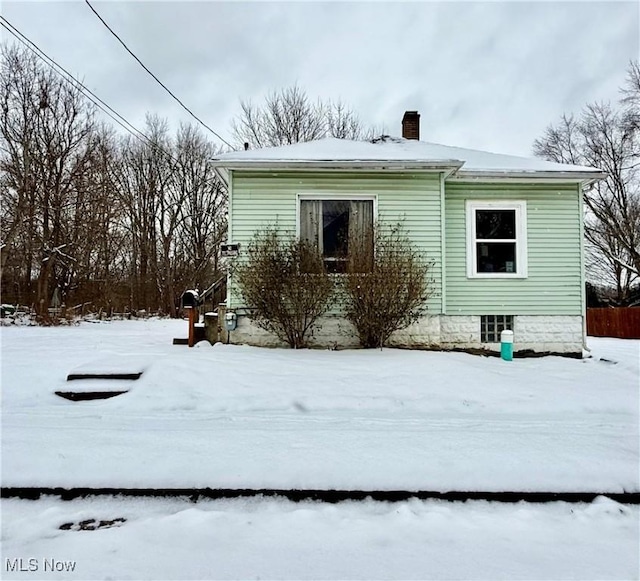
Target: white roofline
[451, 170]
[409, 164]
[541, 176]
[447, 167]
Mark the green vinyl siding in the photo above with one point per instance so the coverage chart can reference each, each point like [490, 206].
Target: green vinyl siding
[554, 282]
[264, 198]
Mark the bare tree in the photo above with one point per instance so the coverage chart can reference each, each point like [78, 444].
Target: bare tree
[607, 138]
[631, 91]
[291, 116]
[93, 229]
[203, 225]
[90, 217]
[46, 131]
[342, 122]
[144, 171]
[175, 214]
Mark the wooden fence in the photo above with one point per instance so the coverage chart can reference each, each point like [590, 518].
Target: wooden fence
[621, 322]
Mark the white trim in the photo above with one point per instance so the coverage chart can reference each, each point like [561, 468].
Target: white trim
[520, 207]
[347, 196]
[450, 169]
[519, 176]
[448, 166]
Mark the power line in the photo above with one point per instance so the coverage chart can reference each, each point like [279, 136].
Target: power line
[156, 78]
[88, 93]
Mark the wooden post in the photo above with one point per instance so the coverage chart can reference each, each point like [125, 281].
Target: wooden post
[192, 326]
[211, 327]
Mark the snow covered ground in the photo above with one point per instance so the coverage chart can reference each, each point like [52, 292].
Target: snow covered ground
[243, 417]
[277, 539]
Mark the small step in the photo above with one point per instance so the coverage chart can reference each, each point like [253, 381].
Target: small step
[103, 378]
[88, 395]
[129, 376]
[94, 388]
[110, 367]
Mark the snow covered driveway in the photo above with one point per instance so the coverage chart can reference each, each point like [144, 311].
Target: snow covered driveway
[242, 417]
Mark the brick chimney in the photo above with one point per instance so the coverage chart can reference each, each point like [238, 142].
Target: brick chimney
[411, 125]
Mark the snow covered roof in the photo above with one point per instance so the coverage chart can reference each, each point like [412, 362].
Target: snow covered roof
[398, 153]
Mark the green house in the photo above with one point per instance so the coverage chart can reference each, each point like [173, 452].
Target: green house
[505, 233]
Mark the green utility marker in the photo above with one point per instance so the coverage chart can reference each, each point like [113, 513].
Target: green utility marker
[506, 345]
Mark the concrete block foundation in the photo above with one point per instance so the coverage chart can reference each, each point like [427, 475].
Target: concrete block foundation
[539, 333]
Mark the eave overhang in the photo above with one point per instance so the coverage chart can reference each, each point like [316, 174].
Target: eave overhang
[448, 167]
[451, 169]
[585, 178]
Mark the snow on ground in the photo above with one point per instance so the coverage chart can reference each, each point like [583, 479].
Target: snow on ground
[243, 417]
[276, 539]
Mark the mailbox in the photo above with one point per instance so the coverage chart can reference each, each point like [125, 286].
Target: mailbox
[190, 299]
[229, 250]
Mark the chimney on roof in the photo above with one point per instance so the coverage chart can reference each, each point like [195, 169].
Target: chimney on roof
[411, 125]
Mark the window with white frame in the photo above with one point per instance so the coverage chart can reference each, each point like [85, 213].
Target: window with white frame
[496, 239]
[333, 224]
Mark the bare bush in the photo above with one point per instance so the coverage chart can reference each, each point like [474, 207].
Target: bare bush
[285, 284]
[386, 286]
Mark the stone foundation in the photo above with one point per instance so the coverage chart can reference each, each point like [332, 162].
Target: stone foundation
[331, 333]
[556, 334]
[539, 333]
[424, 334]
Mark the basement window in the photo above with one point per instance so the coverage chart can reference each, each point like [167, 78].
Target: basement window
[492, 325]
[496, 239]
[336, 224]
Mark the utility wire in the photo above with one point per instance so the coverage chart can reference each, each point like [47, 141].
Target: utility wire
[88, 93]
[156, 78]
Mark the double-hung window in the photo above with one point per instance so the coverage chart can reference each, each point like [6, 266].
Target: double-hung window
[496, 239]
[335, 225]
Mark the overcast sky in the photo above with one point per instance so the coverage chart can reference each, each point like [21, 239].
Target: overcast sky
[486, 75]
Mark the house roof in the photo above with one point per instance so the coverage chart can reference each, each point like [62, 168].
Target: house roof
[397, 153]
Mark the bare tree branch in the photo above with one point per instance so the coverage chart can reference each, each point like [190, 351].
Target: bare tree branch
[606, 137]
[290, 116]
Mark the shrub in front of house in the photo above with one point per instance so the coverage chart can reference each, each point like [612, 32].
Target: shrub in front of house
[386, 286]
[285, 282]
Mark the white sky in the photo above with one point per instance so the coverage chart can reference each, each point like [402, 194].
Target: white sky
[487, 75]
